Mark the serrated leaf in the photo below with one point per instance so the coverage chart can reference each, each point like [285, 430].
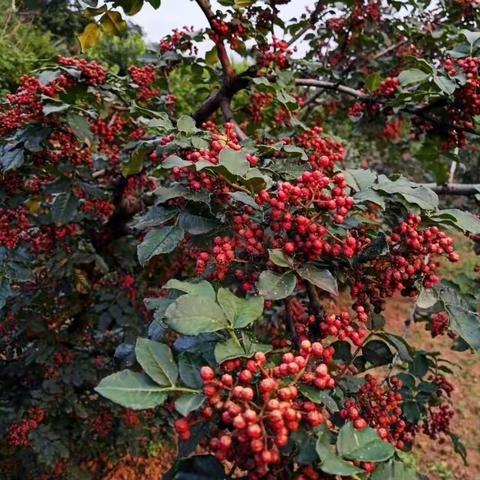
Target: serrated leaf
[64, 208]
[362, 445]
[229, 349]
[278, 257]
[201, 288]
[188, 403]
[159, 241]
[319, 396]
[412, 75]
[157, 361]
[239, 311]
[194, 314]
[186, 124]
[131, 390]
[234, 161]
[155, 216]
[321, 278]
[275, 286]
[195, 224]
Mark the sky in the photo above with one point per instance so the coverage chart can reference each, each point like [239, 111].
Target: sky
[178, 13]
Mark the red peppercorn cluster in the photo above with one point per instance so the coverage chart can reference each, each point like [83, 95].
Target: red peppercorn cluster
[93, 73]
[388, 87]
[234, 32]
[14, 227]
[17, 433]
[393, 130]
[223, 256]
[102, 424]
[296, 233]
[340, 326]
[275, 54]
[144, 77]
[439, 324]
[324, 152]
[130, 418]
[259, 101]
[412, 251]
[301, 318]
[259, 407]
[438, 421]
[380, 406]
[178, 40]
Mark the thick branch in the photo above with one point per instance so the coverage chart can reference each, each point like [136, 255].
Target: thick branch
[455, 188]
[226, 92]
[419, 112]
[222, 51]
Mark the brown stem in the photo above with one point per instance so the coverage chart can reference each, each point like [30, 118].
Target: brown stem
[222, 51]
[315, 301]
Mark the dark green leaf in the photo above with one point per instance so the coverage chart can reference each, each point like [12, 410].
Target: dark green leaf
[64, 208]
[159, 241]
[157, 361]
[275, 286]
[189, 403]
[321, 278]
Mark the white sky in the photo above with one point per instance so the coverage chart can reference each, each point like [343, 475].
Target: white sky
[178, 13]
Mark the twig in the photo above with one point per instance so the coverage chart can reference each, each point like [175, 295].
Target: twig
[228, 114]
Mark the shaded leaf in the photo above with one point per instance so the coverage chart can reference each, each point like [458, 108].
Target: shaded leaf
[157, 361]
[159, 241]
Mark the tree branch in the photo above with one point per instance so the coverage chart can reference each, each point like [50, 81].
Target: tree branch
[311, 23]
[222, 51]
[226, 92]
[419, 112]
[454, 188]
[228, 114]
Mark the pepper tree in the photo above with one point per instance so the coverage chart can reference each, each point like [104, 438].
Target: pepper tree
[211, 242]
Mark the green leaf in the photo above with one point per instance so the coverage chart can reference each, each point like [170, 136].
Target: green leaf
[155, 3]
[445, 84]
[399, 344]
[239, 311]
[211, 57]
[467, 324]
[419, 366]
[234, 161]
[194, 314]
[188, 403]
[155, 216]
[334, 465]
[189, 365]
[64, 208]
[377, 353]
[377, 248]
[411, 411]
[49, 108]
[80, 127]
[159, 241]
[466, 221]
[373, 81]
[135, 163]
[416, 194]
[130, 7]
[175, 161]
[11, 158]
[413, 75]
[274, 286]
[319, 396]
[362, 445]
[245, 198]
[131, 390]
[394, 470]
[201, 288]
[186, 124]
[195, 224]
[230, 349]
[278, 257]
[293, 149]
[472, 37]
[321, 278]
[360, 179]
[157, 361]
[90, 36]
